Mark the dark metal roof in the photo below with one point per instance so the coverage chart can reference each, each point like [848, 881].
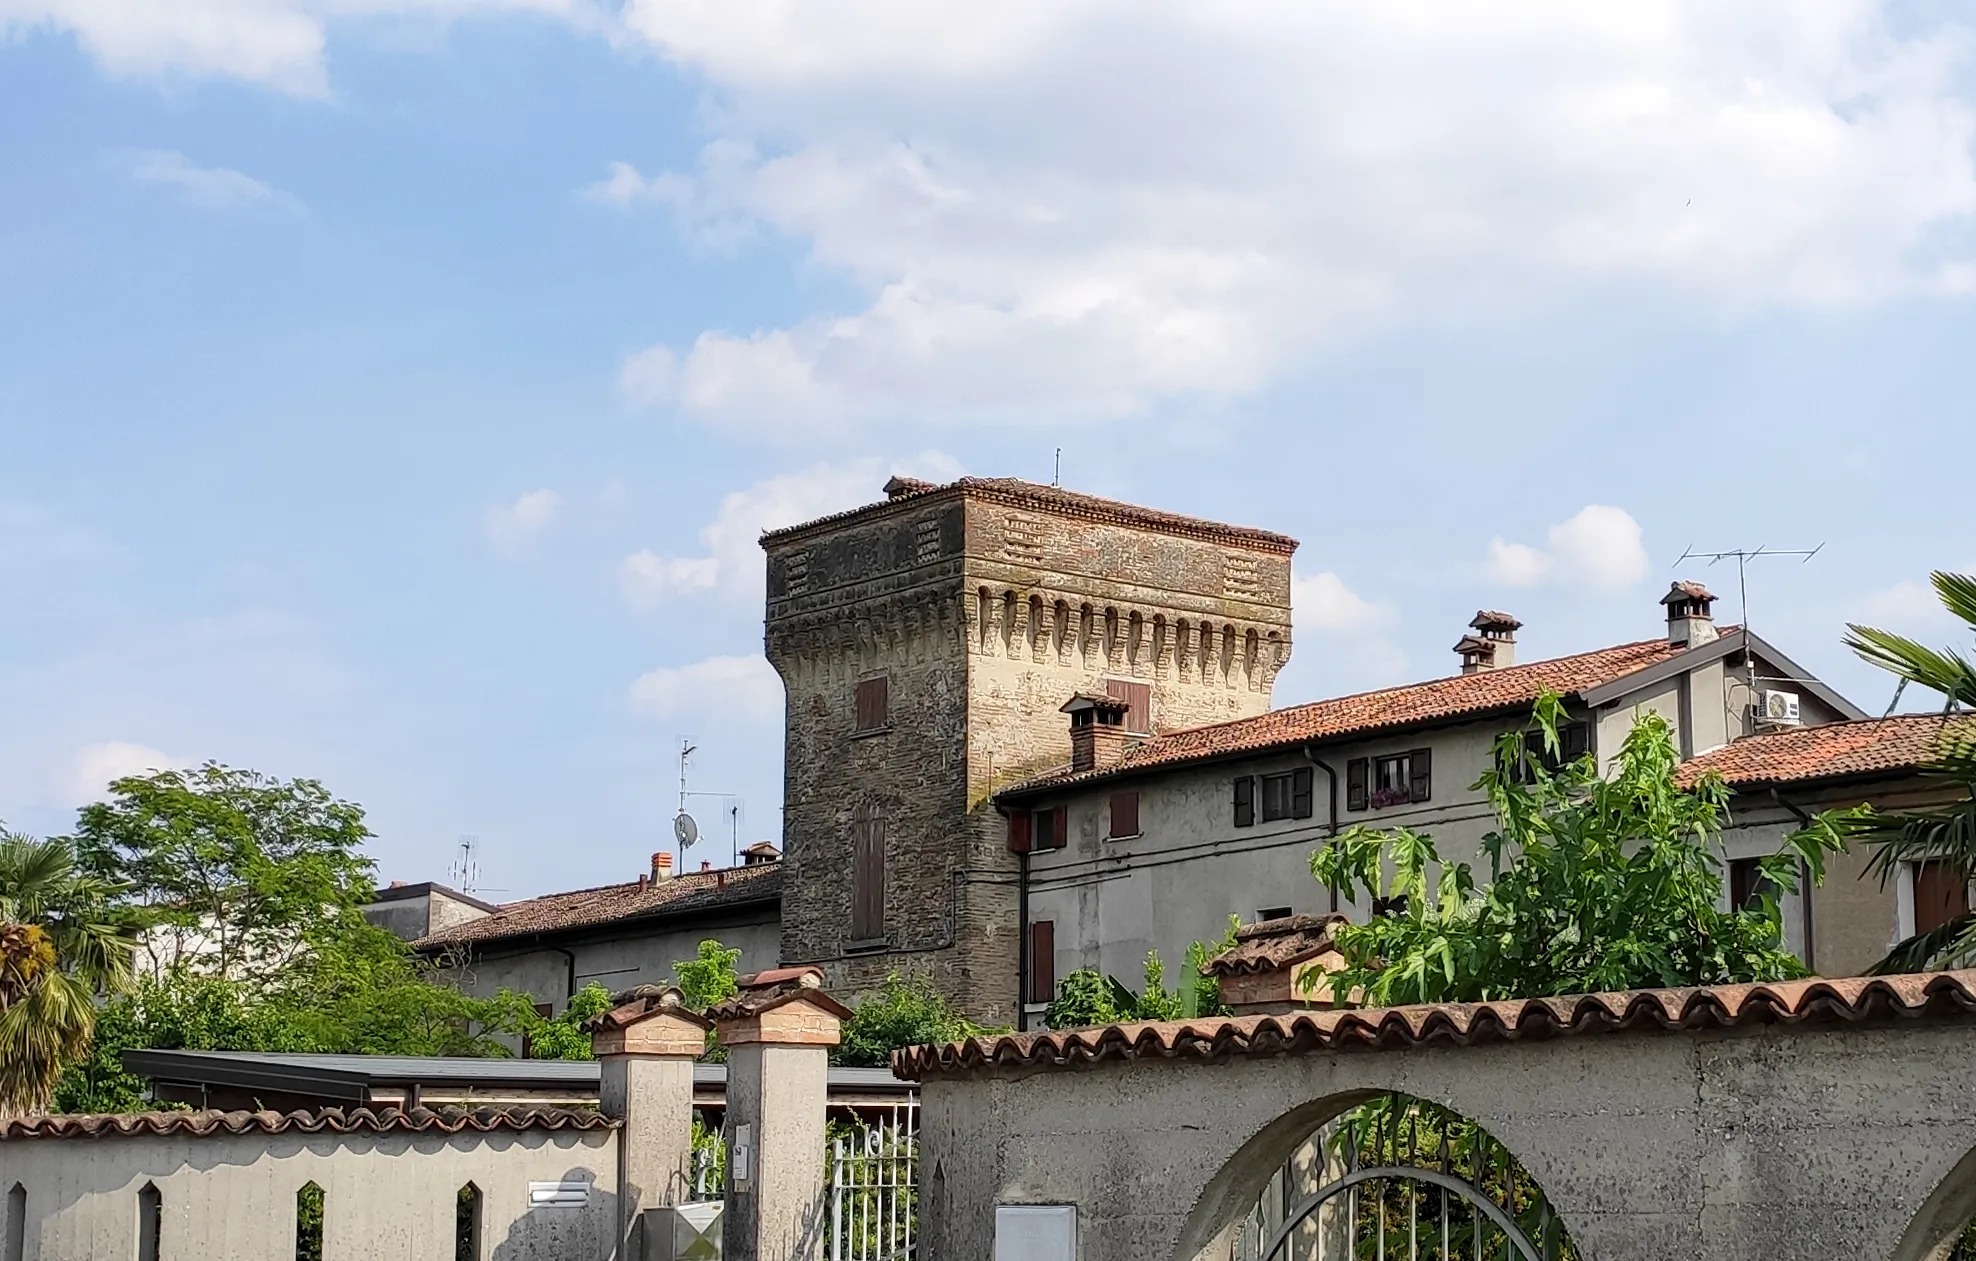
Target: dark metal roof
[353, 1076]
[331, 1120]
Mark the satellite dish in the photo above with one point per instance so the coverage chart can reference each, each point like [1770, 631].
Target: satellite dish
[684, 830]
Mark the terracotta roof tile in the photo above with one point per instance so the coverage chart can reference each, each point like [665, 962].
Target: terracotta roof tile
[1930, 996]
[1017, 493]
[1276, 943]
[765, 991]
[1369, 712]
[635, 1004]
[685, 894]
[1829, 752]
[328, 1120]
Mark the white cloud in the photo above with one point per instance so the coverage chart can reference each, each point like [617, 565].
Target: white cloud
[94, 766]
[210, 187]
[1323, 602]
[1599, 547]
[1069, 209]
[511, 527]
[1909, 606]
[733, 564]
[277, 44]
[746, 688]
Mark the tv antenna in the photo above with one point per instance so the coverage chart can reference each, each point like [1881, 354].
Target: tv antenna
[1743, 556]
[465, 871]
[685, 829]
[1056, 479]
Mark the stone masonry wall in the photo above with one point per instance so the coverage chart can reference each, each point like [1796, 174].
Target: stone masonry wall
[985, 619]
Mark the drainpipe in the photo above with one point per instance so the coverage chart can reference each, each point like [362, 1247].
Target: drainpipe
[1804, 877]
[1022, 960]
[1331, 775]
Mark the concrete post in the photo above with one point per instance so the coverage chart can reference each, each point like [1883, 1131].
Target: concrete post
[778, 1032]
[646, 1046]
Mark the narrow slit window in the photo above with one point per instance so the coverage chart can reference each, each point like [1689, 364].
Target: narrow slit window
[16, 1223]
[466, 1224]
[150, 1221]
[308, 1223]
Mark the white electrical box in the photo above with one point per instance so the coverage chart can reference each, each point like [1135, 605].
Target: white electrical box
[1035, 1232]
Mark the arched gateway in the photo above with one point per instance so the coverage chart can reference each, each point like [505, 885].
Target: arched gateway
[1793, 1122]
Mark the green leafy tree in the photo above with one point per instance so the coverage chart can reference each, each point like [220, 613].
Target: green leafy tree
[561, 1037]
[241, 875]
[63, 944]
[1947, 833]
[1596, 883]
[708, 977]
[908, 1010]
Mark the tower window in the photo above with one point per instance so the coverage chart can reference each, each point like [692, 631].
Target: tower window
[1138, 698]
[867, 873]
[872, 704]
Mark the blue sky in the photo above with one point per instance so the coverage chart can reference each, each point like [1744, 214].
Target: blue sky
[391, 390]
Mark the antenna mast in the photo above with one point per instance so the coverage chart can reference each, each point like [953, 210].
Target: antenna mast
[465, 871]
[1743, 556]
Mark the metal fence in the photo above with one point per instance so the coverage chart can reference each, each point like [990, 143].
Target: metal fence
[874, 1189]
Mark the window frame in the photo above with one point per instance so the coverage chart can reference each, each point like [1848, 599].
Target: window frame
[1270, 914]
[1112, 811]
[863, 706]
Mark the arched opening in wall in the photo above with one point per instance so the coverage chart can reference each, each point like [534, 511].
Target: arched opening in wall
[150, 1221]
[466, 1224]
[16, 1227]
[308, 1222]
[1393, 1177]
[1944, 1227]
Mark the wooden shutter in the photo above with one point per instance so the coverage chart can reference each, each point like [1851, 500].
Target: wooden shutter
[1019, 832]
[872, 699]
[1125, 813]
[1574, 740]
[1300, 786]
[1940, 894]
[1245, 801]
[1139, 696]
[867, 874]
[1059, 827]
[1355, 774]
[1042, 960]
[1420, 773]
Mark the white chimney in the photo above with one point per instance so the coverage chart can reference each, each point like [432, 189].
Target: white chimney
[1690, 614]
[1492, 646]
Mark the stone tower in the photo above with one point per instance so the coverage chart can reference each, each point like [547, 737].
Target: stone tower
[927, 643]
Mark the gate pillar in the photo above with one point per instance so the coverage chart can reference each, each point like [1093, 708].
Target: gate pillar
[646, 1046]
[777, 1031]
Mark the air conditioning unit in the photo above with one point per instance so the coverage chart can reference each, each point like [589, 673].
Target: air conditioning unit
[1777, 709]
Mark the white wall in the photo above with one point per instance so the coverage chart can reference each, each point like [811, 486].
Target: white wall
[386, 1196]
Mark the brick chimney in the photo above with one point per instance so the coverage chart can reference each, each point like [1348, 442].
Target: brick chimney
[1690, 614]
[1492, 646]
[661, 867]
[1097, 730]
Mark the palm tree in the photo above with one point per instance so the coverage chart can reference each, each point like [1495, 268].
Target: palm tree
[61, 945]
[1945, 834]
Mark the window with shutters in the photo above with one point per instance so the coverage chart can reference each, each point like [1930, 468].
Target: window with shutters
[1138, 698]
[1245, 801]
[871, 703]
[1940, 894]
[1287, 796]
[1034, 831]
[1747, 883]
[1042, 960]
[1125, 813]
[1574, 741]
[1394, 780]
[867, 874]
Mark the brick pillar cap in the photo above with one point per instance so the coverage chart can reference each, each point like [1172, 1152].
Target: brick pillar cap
[782, 1006]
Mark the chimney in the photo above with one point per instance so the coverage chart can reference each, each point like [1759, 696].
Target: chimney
[661, 867]
[1492, 646]
[706, 864]
[1097, 730]
[905, 487]
[1690, 614]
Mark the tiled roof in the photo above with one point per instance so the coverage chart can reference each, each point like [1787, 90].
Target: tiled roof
[1931, 996]
[1017, 493]
[1370, 712]
[765, 991]
[1832, 751]
[328, 1120]
[685, 894]
[1276, 943]
[640, 1001]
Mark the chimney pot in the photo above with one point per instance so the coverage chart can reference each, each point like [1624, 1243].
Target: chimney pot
[1097, 730]
[1492, 646]
[1690, 614]
[661, 866]
[706, 864]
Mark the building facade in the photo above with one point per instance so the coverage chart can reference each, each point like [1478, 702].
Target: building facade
[1158, 847]
[926, 645]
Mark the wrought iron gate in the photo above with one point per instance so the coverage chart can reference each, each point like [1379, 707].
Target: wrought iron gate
[874, 1189]
[1401, 1178]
